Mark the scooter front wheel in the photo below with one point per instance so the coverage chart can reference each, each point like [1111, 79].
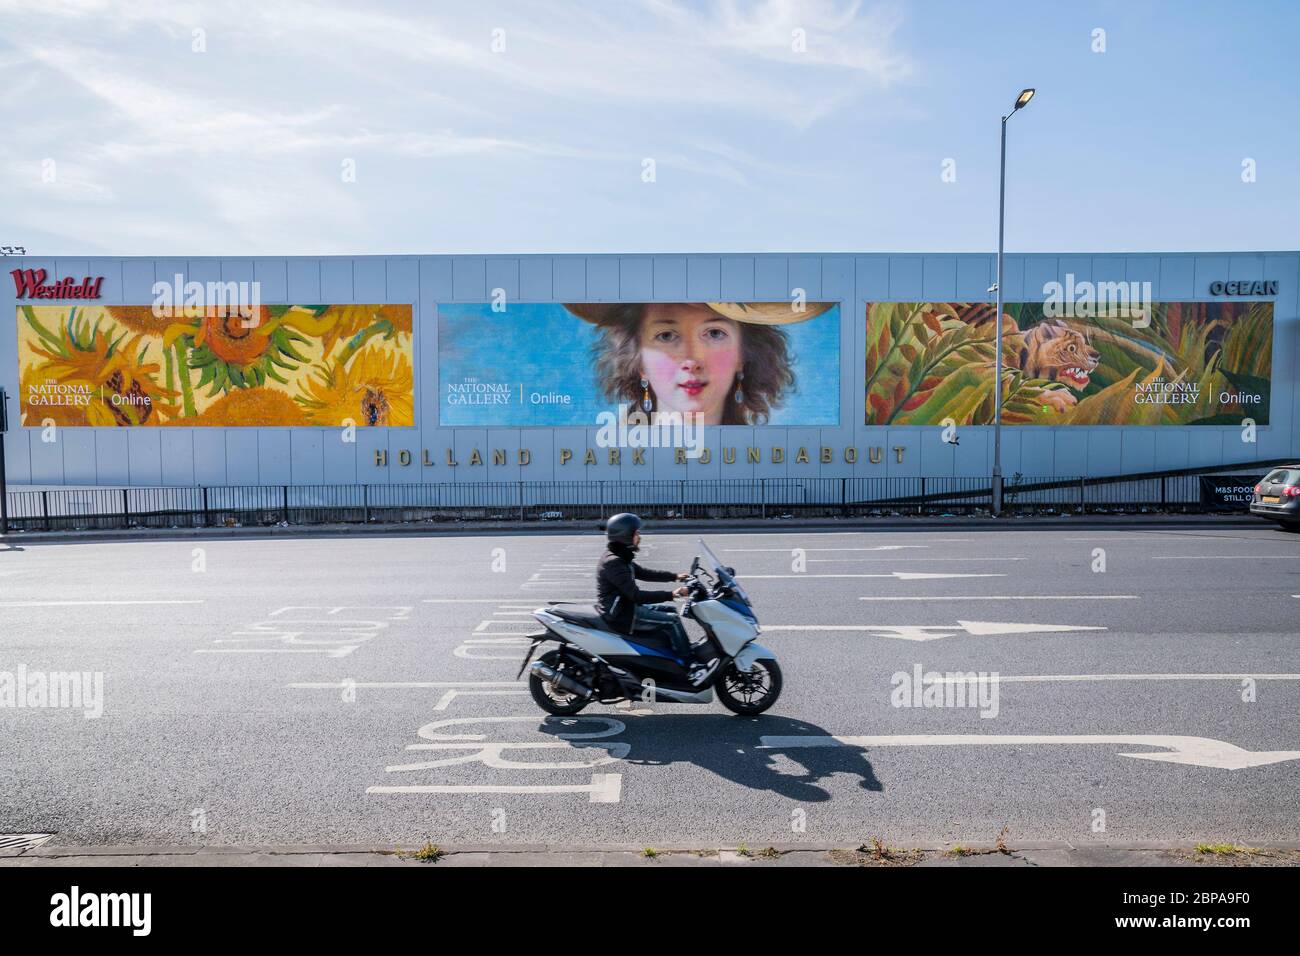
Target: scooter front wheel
[550, 698]
[749, 692]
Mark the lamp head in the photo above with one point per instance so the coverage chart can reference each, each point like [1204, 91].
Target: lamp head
[1023, 99]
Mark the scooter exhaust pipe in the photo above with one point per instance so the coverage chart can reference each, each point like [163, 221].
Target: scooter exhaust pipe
[560, 680]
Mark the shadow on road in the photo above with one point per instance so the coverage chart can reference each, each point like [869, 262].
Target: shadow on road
[729, 747]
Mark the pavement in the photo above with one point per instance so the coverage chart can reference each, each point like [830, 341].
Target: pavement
[779, 524]
[340, 697]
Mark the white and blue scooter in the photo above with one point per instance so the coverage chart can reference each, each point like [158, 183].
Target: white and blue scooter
[594, 663]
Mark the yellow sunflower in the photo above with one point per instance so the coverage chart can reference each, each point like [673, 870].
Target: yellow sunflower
[87, 377]
[354, 324]
[375, 388]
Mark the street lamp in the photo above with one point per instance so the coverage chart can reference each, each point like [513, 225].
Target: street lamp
[1021, 101]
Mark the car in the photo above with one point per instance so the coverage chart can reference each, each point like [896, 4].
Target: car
[1277, 496]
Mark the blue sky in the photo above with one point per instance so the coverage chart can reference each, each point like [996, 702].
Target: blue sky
[122, 139]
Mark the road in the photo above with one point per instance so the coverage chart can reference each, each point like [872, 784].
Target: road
[358, 690]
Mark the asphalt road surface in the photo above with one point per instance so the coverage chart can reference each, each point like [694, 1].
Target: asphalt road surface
[361, 690]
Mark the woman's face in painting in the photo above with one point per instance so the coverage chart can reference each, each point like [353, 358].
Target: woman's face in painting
[690, 355]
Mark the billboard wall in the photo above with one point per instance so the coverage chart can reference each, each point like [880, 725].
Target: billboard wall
[1175, 363]
[141, 366]
[553, 364]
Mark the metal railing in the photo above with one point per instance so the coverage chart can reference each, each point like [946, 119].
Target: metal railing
[249, 505]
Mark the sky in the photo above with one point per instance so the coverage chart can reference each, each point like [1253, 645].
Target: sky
[641, 126]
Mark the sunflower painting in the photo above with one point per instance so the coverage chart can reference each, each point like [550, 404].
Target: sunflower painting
[303, 365]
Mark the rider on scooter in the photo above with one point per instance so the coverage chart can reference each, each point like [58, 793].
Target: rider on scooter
[625, 607]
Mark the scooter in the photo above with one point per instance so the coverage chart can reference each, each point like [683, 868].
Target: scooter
[595, 664]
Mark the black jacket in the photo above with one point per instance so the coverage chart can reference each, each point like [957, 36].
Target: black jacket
[616, 591]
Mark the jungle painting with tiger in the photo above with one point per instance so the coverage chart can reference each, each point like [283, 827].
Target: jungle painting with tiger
[930, 363]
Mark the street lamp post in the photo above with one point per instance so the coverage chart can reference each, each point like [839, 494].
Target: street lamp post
[1021, 100]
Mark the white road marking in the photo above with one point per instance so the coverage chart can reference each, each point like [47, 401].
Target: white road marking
[879, 547]
[1194, 751]
[981, 560]
[604, 788]
[1225, 557]
[88, 603]
[395, 684]
[513, 601]
[1012, 597]
[898, 575]
[328, 652]
[932, 632]
[1035, 678]
[484, 625]
[492, 754]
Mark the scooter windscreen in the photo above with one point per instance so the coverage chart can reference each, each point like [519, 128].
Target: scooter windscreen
[723, 573]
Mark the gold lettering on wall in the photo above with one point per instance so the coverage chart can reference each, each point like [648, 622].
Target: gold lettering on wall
[826, 455]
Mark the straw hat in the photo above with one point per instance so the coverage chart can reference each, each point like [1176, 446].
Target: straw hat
[753, 313]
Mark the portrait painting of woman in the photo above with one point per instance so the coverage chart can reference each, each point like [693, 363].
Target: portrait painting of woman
[728, 362]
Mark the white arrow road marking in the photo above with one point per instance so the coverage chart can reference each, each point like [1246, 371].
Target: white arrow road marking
[1011, 597]
[604, 788]
[931, 632]
[1195, 751]
[899, 575]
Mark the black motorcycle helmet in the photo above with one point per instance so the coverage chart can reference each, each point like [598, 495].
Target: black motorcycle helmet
[622, 528]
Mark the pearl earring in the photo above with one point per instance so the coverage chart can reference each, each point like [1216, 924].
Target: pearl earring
[740, 394]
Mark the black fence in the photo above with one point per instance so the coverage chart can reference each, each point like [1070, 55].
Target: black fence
[261, 505]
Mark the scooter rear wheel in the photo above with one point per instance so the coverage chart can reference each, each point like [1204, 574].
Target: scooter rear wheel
[749, 692]
[550, 698]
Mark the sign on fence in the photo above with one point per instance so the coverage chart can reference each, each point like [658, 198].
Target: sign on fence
[1227, 492]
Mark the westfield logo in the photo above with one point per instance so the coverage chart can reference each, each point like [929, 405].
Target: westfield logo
[30, 284]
